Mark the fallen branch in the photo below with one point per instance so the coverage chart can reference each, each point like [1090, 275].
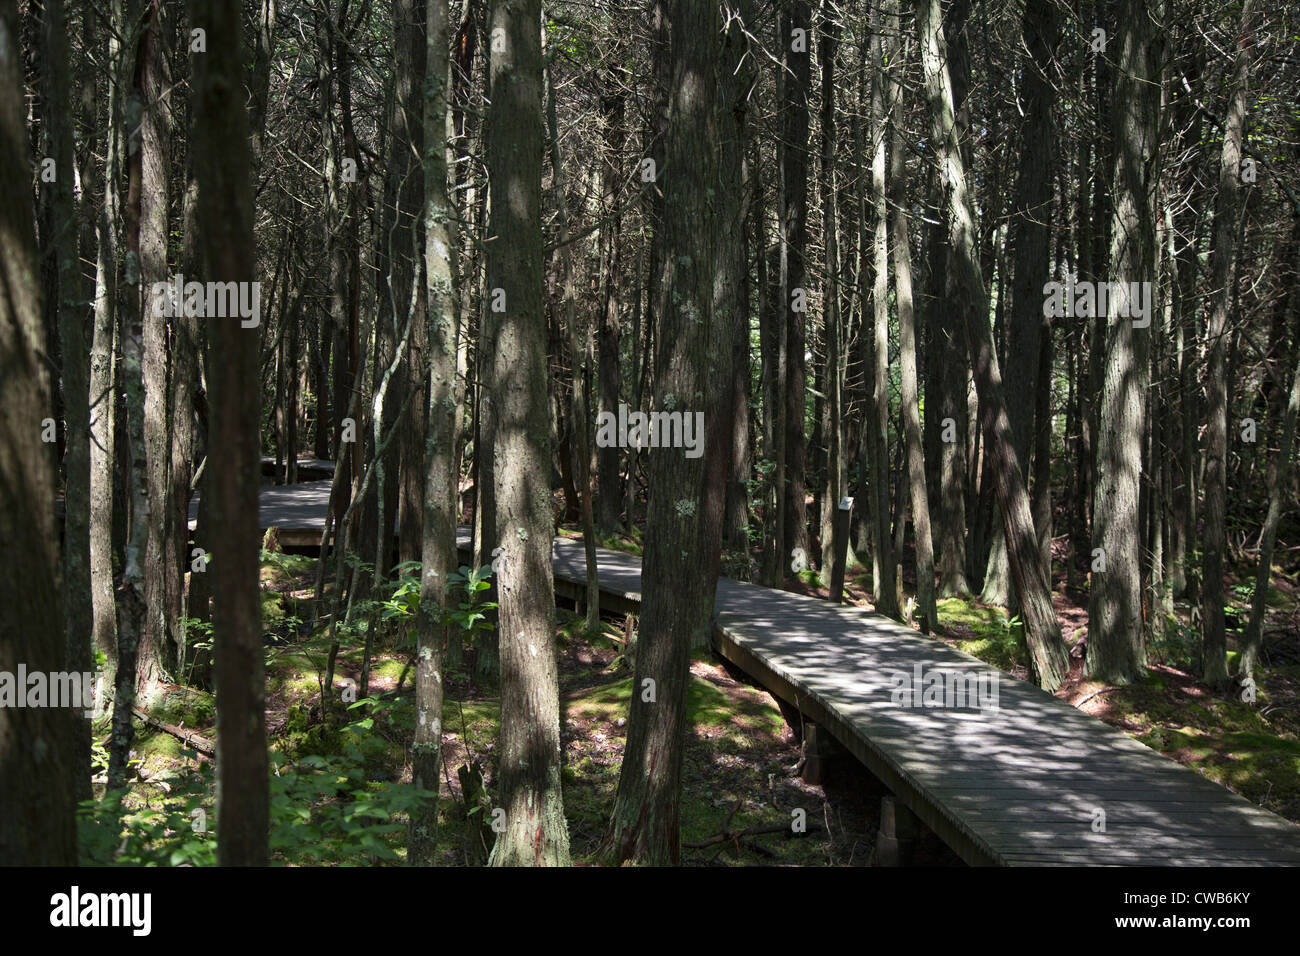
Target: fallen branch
[1104, 690]
[191, 739]
[729, 835]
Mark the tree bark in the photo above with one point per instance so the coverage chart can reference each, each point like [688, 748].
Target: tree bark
[438, 532]
[1048, 658]
[684, 517]
[225, 234]
[885, 563]
[1223, 254]
[580, 361]
[1279, 477]
[925, 601]
[71, 303]
[38, 825]
[156, 662]
[795, 39]
[529, 751]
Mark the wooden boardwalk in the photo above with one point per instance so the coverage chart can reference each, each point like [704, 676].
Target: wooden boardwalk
[1022, 783]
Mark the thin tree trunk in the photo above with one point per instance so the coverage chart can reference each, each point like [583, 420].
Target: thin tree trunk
[1223, 255]
[885, 566]
[409, 141]
[1279, 478]
[795, 38]
[156, 662]
[579, 351]
[103, 390]
[132, 606]
[832, 530]
[610, 499]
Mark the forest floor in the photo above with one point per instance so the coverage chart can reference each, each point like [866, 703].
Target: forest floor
[340, 794]
[333, 797]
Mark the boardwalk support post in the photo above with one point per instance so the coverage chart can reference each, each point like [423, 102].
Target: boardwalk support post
[820, 749]
[896, 840]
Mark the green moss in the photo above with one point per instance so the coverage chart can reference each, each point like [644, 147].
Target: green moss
[158, 744]
[186, 707]
[1257, 765]
[272, 608]
[992, 638]
[389, 668]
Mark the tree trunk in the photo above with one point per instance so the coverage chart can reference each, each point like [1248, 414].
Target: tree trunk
[580, 361]
[529, 749]
[438, 532]
[155, 665]
[1030, 236]
[683, 522]
[1048, 657]
[610, 499]
[225, 234]
[1223, 253]
[832, 530]
[131, 605]
[409, 141]
[104, 389]
[794, 37]
[37, 826]
[71, 302]
[925, 602]
[1279, 477]
[885, 566]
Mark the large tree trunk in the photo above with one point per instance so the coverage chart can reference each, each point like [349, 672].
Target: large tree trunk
[71, 302]
[1030, 237]
[1116, 647]
[683, 521]
[132, 606]
[1223, 256]
[37, 826]
[1048, 658]
[225, 234]
[438, 532]
[925, 602]
[157, 655]
[529, 751]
